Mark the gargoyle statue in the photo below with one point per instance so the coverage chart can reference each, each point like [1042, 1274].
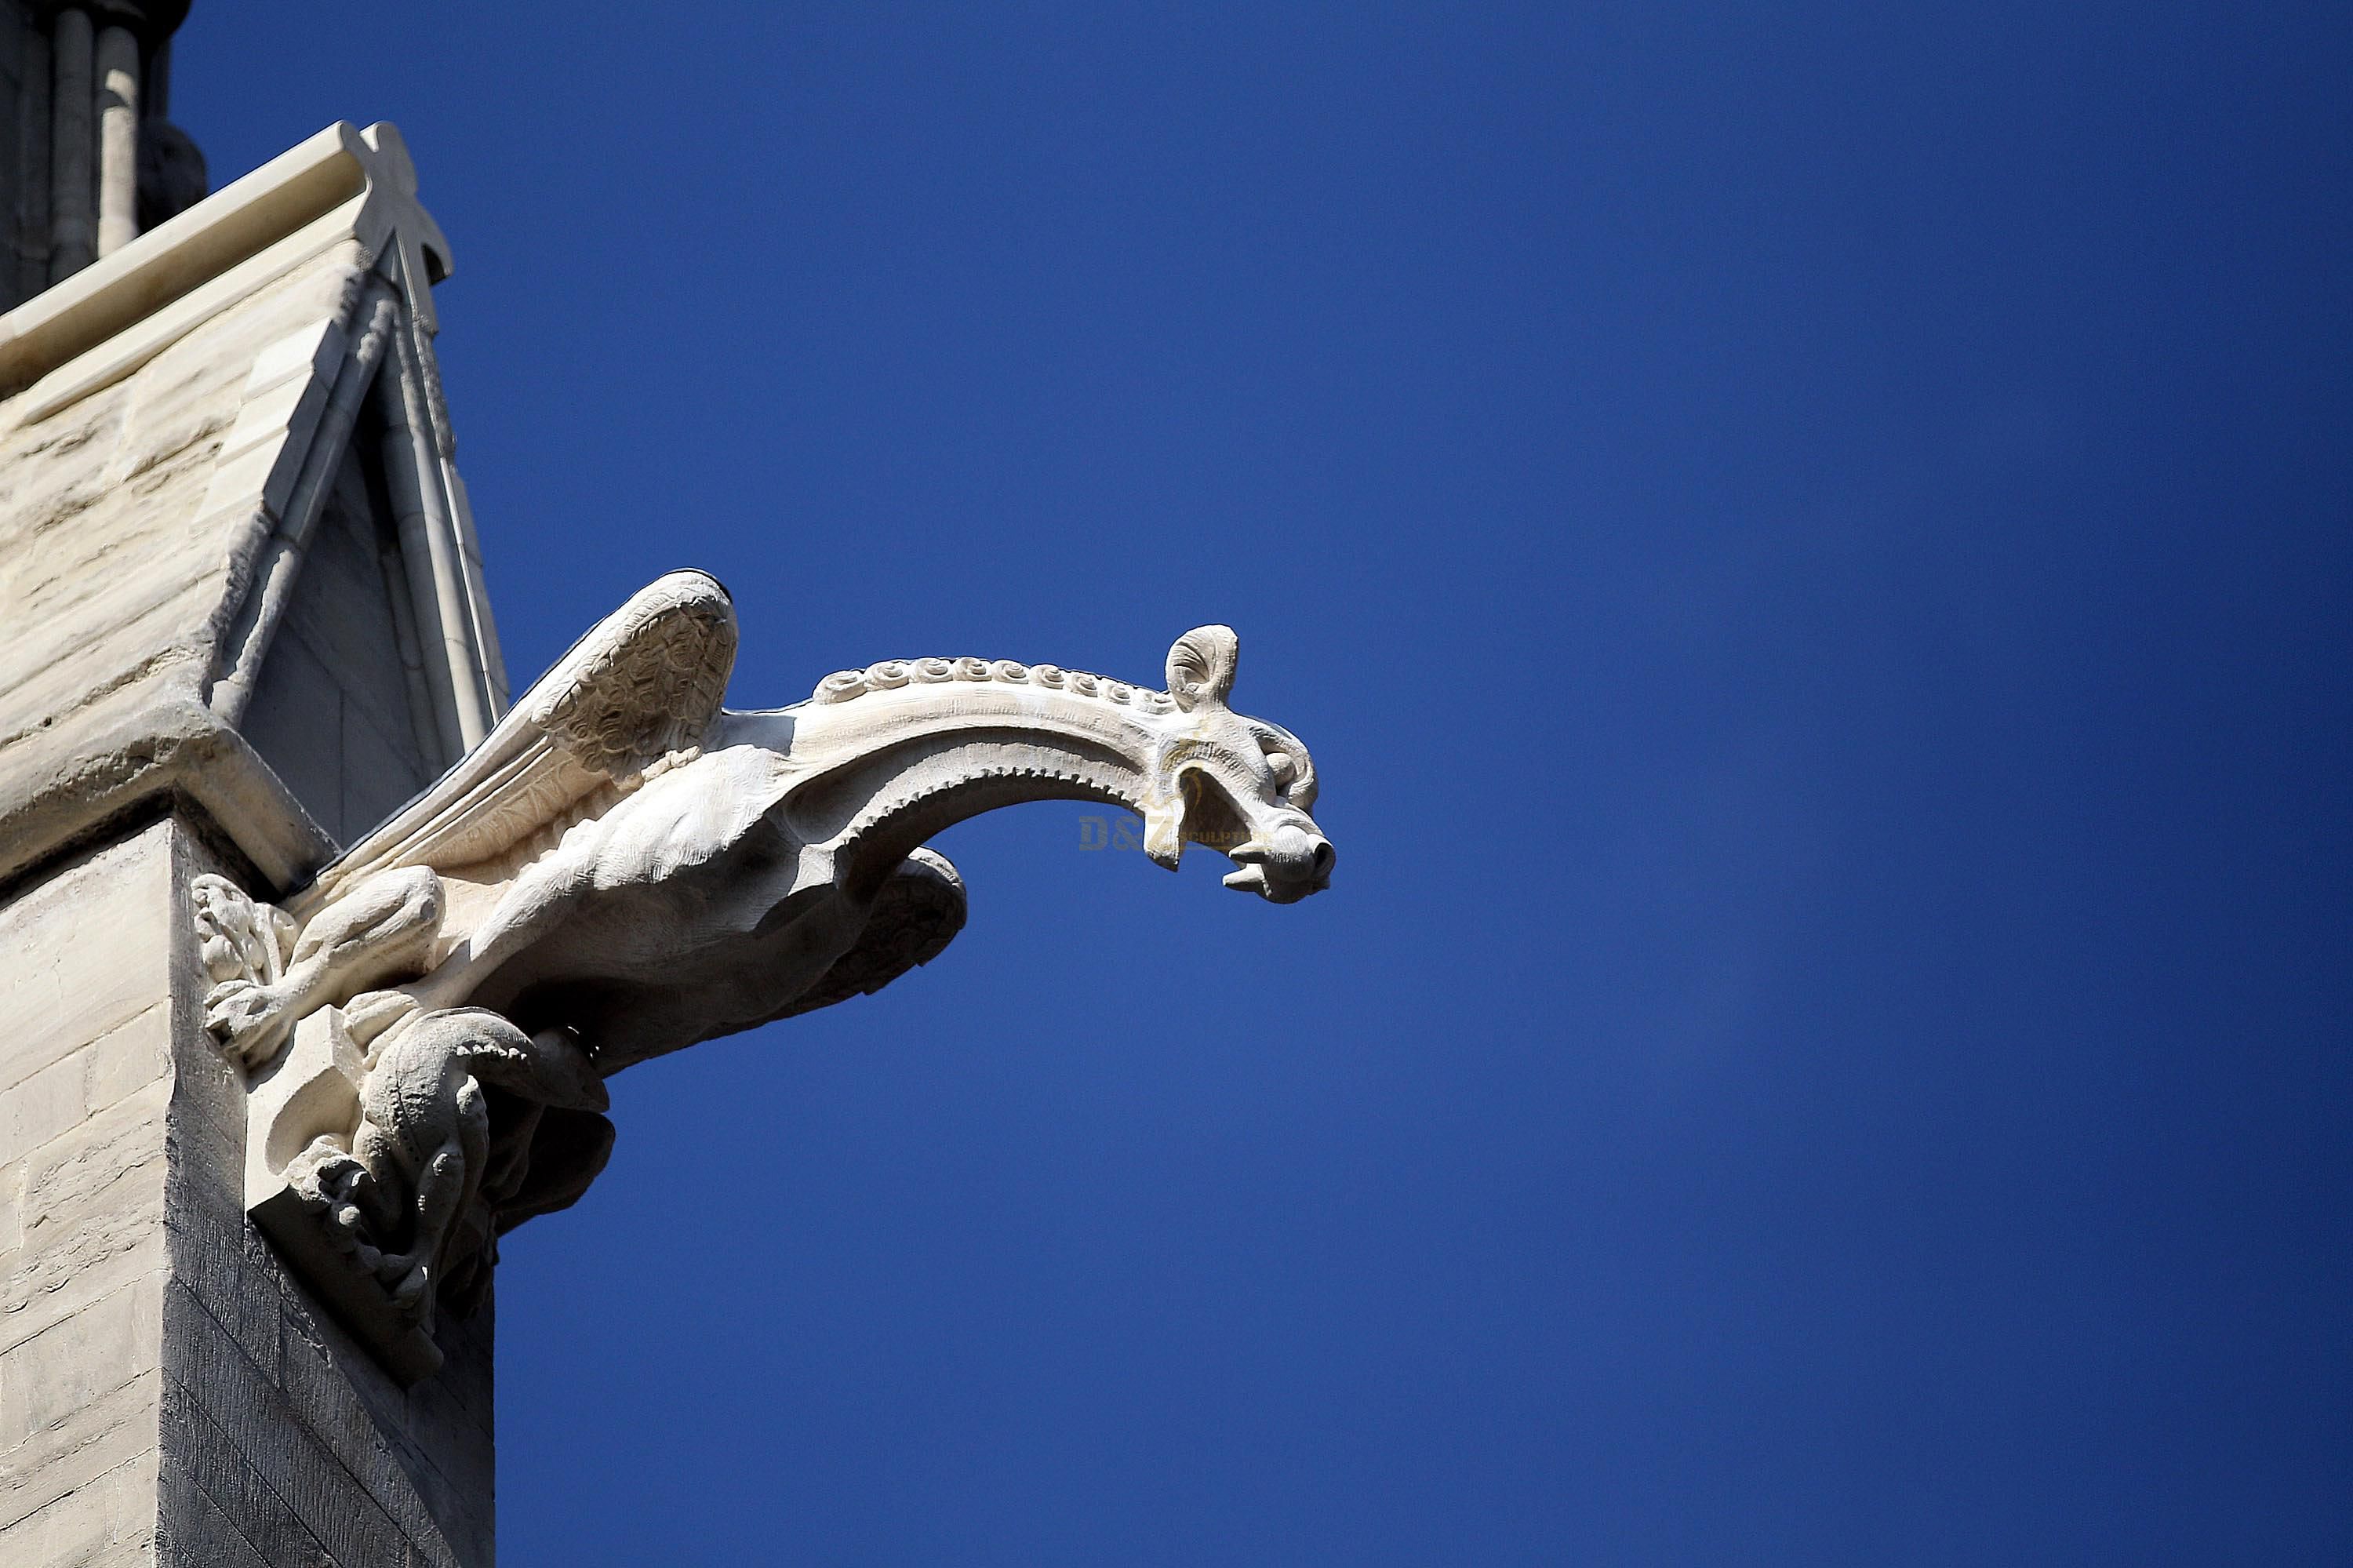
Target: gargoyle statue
[624, 867]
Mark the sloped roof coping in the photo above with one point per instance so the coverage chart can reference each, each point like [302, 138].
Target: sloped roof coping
[236, 224]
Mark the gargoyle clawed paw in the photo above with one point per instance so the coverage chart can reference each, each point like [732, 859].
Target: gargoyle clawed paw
[251, 1020]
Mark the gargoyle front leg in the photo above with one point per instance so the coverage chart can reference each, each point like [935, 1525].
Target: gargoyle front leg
[536, 904]
[383, 929]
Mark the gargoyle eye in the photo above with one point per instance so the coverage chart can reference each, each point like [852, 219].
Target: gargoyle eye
[1284, 769]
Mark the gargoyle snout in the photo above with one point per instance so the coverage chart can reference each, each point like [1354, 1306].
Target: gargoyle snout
[1286, 866]
[1304, 853]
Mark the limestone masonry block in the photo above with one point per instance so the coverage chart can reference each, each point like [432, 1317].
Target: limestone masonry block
[86, 955]
[70, 1365]
[312, 350]
[111, 1521]
[48, 1103]
[66, 1456]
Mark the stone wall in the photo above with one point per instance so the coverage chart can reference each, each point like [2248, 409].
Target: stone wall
[168, 1394]
[85, 1085]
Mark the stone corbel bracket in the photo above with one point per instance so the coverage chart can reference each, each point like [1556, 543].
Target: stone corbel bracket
[315, 1084]
[375, 1157]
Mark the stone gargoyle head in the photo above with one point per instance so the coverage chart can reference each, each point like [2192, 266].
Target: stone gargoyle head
[1233, 783]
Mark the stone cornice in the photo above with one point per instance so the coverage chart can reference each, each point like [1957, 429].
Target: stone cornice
[106, 763]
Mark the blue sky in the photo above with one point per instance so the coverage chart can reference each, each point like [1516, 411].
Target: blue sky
[1811, 547]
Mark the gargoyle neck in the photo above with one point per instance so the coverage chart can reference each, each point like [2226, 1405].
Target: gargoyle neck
[881, 773]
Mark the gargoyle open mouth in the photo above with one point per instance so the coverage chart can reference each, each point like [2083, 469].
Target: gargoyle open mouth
[1283, 868]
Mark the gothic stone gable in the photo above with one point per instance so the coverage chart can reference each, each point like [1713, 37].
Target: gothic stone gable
[225, 470]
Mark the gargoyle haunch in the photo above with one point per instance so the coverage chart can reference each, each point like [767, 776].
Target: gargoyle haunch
[624, 867]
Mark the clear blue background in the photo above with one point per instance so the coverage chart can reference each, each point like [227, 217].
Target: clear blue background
[1810, 544]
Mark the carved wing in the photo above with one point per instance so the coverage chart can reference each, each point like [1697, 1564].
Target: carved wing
[644, 683]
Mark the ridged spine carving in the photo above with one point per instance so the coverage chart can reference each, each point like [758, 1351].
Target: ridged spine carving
[892, 673]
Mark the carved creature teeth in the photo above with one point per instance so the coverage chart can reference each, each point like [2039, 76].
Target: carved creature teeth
[882, 812]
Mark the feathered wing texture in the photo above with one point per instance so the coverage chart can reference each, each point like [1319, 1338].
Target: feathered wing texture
[646, 681]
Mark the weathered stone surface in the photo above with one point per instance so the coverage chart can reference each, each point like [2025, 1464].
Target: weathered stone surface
[66, 1456]
[47, 1379]
[38, 1109]
[85, 955]
[92, 1214]
[110, 1521]
[299, 1433]
[322, 1459]
[196, 1529]
[332, 710]
[126, 1059]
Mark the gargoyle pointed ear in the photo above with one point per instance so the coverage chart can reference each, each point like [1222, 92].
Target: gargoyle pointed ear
[1202, 666]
